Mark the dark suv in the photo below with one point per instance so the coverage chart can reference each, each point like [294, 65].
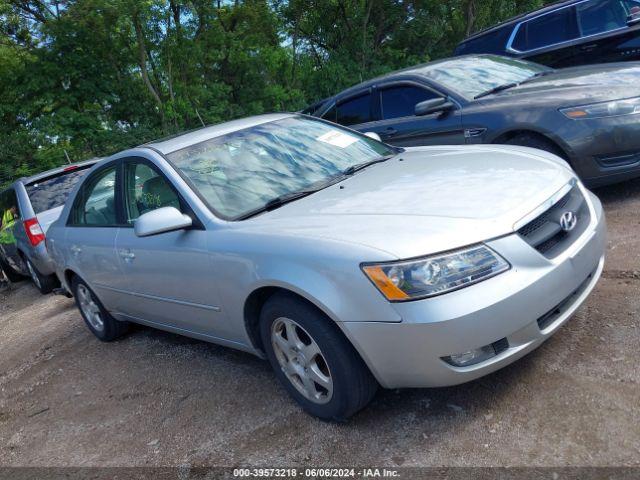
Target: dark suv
[569, 33]
[27, 208]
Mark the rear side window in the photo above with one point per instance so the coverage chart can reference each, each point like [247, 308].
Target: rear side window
[96, 206]
[354, 111]
[9, 213]
[600, 16]
[550, 29]
[53, 192]
[401, 101]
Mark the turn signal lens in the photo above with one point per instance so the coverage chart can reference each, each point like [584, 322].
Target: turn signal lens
[435, 275]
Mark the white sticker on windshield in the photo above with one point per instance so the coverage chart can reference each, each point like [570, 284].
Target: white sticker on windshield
[338, 138]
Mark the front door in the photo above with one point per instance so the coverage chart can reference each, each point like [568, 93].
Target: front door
[401, 127]
[170, 280]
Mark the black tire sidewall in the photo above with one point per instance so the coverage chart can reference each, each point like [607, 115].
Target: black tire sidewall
[47, 283]
[112, 327]
[343, 362]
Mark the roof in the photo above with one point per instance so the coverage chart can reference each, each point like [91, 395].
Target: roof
[184, 140]
[57, 171]
[521, 17]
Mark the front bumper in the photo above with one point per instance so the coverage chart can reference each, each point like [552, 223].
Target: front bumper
[525, 305]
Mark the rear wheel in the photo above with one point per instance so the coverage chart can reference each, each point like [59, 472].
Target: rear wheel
[313, 360]
[44, 283]
[99, 321]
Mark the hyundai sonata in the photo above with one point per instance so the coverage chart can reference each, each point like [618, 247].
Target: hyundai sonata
[345, 262]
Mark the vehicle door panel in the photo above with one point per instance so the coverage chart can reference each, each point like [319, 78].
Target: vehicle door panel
[91, 236]
[169, 277]
[399, 126]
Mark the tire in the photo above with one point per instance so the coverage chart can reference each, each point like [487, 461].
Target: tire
[10, 273]
[536, 141]
[321, 348]
[44, 283]
[99, 321]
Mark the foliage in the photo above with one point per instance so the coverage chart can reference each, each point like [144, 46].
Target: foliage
[85, 78]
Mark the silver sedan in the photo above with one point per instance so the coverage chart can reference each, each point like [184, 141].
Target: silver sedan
[347, 263]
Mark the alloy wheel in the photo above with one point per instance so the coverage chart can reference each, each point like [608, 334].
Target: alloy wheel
[301, 360]
[90, 308]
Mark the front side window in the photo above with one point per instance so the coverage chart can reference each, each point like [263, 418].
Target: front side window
[97, 202]
[550, 29]
[401, 101]
[600, 16]
[146, 190]
[471, 76]
[355, 111]
[240, 172]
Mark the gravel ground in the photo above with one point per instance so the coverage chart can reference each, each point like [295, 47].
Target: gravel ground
[155, 398]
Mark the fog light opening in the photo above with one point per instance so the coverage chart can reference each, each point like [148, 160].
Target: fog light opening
[477, 355]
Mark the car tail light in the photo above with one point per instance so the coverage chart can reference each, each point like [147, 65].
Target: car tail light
[34, 231]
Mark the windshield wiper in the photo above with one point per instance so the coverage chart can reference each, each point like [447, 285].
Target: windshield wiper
[497, 89]
[537, 75]
[507, 86]
[360, 166]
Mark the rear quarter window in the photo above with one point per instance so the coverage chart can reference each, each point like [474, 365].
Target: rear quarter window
[53, 192]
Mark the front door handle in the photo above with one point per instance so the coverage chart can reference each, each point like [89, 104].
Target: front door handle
[127, 255]
[389, 132]
[588, 48]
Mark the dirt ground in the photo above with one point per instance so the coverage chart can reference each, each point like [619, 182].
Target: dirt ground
[155, 398]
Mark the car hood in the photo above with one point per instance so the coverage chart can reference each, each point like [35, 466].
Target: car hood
[425, 200]
[590, 83]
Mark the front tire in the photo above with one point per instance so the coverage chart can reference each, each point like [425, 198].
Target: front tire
[99, 321]
[313, 360]
[44, 283]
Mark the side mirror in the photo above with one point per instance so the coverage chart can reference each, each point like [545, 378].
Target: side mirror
[162, 220]
[373, 135]
[433, 106]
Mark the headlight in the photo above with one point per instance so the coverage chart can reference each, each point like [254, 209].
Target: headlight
[614, 108]
[435, 275]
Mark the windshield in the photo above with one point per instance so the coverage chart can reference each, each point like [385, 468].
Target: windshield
[242, 171]
[472, 76]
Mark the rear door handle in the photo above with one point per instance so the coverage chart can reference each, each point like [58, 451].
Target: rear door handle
[389, 132]
[588, 48]
[75, 250]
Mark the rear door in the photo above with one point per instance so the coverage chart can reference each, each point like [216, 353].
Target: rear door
[398, 124]
[91, 234]
[169, 277]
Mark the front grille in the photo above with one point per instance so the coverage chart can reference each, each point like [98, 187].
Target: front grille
[544, 232]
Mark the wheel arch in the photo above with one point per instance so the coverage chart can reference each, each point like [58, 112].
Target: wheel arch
[507, 135]
[256, 300]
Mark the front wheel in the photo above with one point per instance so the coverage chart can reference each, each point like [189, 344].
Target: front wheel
[313, 360]
[99, 321]
[44, 283]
